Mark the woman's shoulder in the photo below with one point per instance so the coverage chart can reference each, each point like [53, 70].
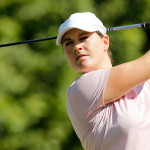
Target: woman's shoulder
[93, 74]
[90, 81]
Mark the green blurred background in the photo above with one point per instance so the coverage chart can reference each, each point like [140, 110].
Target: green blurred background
[34, 77]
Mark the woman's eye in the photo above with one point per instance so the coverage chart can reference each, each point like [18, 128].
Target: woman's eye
[68, 43]
[84, 38]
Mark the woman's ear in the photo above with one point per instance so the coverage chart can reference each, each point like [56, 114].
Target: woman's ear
[106, 42]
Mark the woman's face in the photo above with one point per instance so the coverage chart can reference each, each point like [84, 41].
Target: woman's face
[85, 51]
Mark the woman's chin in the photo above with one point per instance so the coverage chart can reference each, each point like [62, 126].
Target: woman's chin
[85, 66]
[85, 69]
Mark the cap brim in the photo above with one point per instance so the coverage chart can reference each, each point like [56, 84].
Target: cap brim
[59, 37]
[88, 29]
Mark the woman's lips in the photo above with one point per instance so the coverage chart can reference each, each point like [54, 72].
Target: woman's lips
[80, 56]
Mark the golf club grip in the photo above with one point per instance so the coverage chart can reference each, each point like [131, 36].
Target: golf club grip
[146, 25]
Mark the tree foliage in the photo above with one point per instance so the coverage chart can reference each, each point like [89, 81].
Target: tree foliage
[34, 77]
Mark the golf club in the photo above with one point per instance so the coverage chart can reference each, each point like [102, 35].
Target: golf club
[140, 25]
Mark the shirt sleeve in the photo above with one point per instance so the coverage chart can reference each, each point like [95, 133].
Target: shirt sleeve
[86, 94]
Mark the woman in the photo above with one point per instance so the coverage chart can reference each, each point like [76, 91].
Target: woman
[109, 107]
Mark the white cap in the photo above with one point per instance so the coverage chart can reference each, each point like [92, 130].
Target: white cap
[85, 21]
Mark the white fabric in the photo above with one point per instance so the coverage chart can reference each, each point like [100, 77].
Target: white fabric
[85, 21]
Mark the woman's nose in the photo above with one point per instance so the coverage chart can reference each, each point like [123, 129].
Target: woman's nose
[77, 47]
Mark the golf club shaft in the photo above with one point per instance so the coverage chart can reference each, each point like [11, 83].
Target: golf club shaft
[140, 25]
[28, 41]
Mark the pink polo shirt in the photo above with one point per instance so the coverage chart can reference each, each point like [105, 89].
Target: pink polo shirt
[121, 125]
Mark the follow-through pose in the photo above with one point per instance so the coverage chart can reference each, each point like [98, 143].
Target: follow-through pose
[109, 107]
